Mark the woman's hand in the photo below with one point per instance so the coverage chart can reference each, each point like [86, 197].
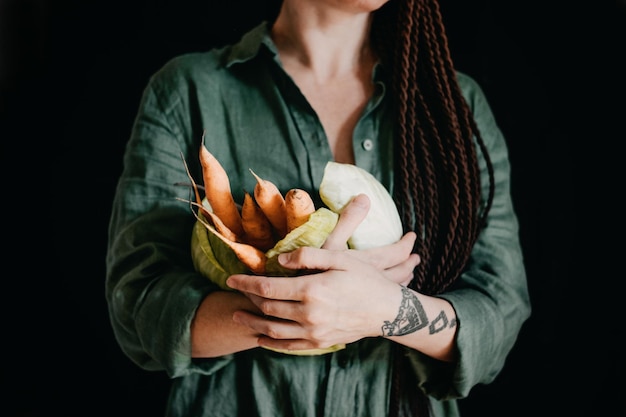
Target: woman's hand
[388, 259]
[347, 295]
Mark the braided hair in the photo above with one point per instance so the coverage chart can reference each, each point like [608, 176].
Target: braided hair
[437, 186]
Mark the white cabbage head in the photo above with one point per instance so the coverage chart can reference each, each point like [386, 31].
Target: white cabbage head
[341, 183]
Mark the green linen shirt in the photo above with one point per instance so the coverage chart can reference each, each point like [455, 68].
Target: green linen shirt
[253, 116]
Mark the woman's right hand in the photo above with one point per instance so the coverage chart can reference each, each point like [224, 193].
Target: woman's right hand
[394, 260]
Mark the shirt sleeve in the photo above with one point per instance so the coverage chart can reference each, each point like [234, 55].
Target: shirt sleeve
[152, 289]
[490, 298]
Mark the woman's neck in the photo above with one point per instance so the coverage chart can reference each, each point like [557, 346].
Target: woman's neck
[328, 43]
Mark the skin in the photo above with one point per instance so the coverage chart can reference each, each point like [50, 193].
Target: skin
[324, 47]
[351, 294]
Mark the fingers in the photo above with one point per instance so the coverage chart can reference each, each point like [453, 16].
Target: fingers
[283, 309]
[269, 326]
[349, 219]
[291, 289]
[271, 330]
[282, 324]
[387, 256]
[403, 273]
[382, 258]
[395, 261]
[274, 288]
[307, 258]
[277, 333]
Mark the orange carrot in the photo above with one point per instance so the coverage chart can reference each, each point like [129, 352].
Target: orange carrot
[219, 225]
[298, 207]
[254, 259]
[257, 228]
[217, 191]
[272, 203]
[250, 256]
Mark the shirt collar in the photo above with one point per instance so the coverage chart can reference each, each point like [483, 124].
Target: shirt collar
[250, 44]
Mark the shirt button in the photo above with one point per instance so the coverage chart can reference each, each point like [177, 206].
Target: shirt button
[367, 144]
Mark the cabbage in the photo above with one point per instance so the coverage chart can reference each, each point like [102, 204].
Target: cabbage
[382, 225]
[313, 233]
[212, 257]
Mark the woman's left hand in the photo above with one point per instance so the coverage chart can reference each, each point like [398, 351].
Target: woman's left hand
[345, 296]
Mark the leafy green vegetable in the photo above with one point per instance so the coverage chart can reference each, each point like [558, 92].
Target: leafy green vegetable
[313, 233]
[212, 257]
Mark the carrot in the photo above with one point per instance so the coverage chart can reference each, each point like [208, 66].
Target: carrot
[219, 225]
[211, 219]
[250, 256]
[217, 191]
[272, 203]
[257, 228]
[298, 207]
[254, 259]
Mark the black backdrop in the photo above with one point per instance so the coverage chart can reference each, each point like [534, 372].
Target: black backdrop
[71, 74]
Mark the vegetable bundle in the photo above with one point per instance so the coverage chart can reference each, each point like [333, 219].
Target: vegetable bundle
[228, 240]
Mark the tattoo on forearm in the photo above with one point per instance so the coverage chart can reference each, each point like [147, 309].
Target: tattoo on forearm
[440, 323]
[412, 317]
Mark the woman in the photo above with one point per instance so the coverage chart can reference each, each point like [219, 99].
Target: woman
[424, 320]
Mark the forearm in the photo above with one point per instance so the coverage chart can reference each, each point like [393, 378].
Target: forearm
[427, 324]
[213, 331]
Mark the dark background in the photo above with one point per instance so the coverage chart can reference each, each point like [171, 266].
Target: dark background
[71, 75]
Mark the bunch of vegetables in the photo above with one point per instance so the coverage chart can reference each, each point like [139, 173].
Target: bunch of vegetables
[229, 239]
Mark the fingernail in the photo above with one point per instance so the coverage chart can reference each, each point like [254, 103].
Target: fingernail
[362, 200]
[283, 258]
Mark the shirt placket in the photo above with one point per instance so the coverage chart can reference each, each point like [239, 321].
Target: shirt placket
[313, 139]
[341, 389]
